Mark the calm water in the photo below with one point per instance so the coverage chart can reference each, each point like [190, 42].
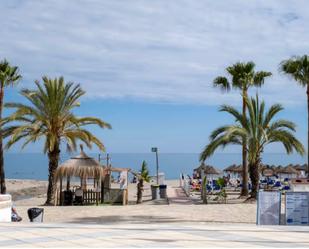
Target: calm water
[34, 166]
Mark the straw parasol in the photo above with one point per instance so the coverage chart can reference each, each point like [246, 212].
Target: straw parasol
[207, 169]
[298, 167]
[230, 168]
[304, 167]
[210, 170]
[263, 166]
[238, 169]
[287, 170]
[81, 166]
[278, 168]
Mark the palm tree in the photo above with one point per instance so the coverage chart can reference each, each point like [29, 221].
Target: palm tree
[142, 176]
[49, 117]
[298, 68]
[242, 77]
[258, 129]
[9, 75]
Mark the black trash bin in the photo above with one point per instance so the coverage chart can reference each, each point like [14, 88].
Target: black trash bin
[163, 191]
[155, 192]
[67, 198]
[36, 214]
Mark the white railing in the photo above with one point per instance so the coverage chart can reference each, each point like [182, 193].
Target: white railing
[185, 184]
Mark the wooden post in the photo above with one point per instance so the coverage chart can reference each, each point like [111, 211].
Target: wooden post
[56, 196]
[123, 196]
[68, 183]
[60, 191]
[102, 190]
[127, 192]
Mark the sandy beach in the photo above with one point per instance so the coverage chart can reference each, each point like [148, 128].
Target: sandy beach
[178, 208]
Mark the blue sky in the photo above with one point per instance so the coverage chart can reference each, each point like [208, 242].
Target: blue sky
[148, 66]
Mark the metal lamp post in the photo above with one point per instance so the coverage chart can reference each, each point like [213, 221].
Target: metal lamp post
[155, 149]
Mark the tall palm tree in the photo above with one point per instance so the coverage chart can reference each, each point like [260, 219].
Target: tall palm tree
[142, 176]
[49, 116]
[9, 75]
[298, 68]
[242, 77]
[258, 129]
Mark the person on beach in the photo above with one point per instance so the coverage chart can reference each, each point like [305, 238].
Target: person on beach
[15, 217]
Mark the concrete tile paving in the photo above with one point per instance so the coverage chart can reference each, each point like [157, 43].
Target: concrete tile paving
[151, 235]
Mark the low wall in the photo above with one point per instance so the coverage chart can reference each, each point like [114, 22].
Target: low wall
[5, 208]
[114, 196]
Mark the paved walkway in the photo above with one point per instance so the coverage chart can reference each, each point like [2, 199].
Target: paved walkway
[151, 235]
[176, 195]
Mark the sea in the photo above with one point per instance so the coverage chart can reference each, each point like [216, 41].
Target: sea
[35, 165]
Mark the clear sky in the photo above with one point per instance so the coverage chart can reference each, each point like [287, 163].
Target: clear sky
[148, 66]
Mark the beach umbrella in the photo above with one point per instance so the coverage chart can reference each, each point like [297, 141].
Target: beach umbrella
[210, 170]
[263, 166]
[238, 169]
[305, 167]
[287, 170]
[297, 167]
[278, 168]
[200, 168]
[230, 168]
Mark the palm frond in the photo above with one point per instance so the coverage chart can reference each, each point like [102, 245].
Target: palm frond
[222, 83]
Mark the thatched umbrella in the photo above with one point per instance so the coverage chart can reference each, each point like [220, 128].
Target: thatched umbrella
[278, 168]
[289, 170]
[234, 170]
[238, 169]
[207, 170]
[297, 167]
[200, 168]
[230, 168]
[305, 167]
[210, 170]
[263, 166]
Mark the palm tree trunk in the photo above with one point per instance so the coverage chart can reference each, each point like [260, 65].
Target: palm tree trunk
[53, 157]
[140, 187]
[204, 190]
[308, 130]
[255, 178]
[244, 190]
[2, 174]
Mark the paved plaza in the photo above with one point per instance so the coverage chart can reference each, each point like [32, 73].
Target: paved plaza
[151, 235]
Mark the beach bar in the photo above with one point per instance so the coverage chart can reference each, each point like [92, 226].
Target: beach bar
[87, 183]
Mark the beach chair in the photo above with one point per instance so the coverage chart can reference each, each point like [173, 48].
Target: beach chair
[216, 187]
[209, 189]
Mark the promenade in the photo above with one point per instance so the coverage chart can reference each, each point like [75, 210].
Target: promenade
[151, 235]
[178, 222]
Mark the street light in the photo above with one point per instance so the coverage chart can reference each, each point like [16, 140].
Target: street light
[155, 149]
